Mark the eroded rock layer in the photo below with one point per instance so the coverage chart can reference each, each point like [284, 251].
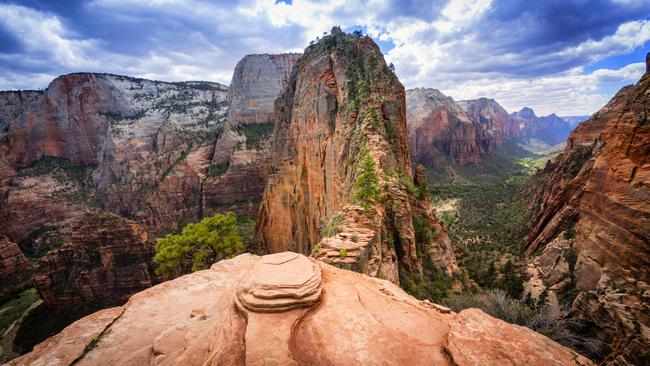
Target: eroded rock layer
[14, 267]
[342, 107]
[498, 124]
[439, 129]
[107, 259]
[357, 319]
[600, 187]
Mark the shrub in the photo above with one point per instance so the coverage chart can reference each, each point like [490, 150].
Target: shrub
[315, 250]
[217, 170]
[354, 238]
[367, 183]
[343, 253]
[570, 233]
[332, 228]
[199, 245]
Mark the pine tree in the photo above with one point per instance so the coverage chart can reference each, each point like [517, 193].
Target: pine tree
[367, 183]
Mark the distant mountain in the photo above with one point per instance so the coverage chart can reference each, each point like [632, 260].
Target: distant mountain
[573, 121]
[550, 129]
[438, 128]
[496, 120]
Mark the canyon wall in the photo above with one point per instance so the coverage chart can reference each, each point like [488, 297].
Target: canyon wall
[550, 129]
[440, 130]
[497, 122]
[597, 191]
[106, 260]
[344, 113]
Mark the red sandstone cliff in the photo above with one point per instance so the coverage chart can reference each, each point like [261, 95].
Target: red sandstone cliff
[341, 105]
[599, 186]
[439, 129]
[498, 124]
[15, 269]
[107, 259]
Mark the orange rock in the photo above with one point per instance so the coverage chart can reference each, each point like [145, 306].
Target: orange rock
[357, 320]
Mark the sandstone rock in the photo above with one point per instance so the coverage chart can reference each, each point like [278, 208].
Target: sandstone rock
[333, 114]
[14, 267]
[439, 129]
[497, 122]
[357, 320]
[257, 81]
[599, 186]
[107, 259]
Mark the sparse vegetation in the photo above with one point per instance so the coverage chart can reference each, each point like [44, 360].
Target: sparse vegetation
[217, 170]
[333, 226]
[199, 245]
[255, 134]
[366, 184]
[13, 309]
[343, 253]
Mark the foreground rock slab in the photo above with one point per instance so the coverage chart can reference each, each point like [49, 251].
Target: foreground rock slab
[336, 317]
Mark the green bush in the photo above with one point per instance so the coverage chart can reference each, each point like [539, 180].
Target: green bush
[333, 226]
[367, 183]
[343, 253]
[199, 245]
[217, 170]
[570, 233]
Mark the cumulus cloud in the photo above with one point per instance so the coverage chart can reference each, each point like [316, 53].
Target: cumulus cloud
[551, 55]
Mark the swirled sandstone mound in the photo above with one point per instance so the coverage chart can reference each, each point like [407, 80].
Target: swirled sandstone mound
[598, 191]
[340, 134]
[336, 317]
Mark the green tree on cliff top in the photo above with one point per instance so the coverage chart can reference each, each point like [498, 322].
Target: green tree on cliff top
[367, 183]
[198, 245]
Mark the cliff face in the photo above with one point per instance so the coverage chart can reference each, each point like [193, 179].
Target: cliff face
[14, 267]
[157, 153]
[107, 259]
[599, 187]
[497, 122]
[343, 108]
[319, 314]
[439, 128]
[243, 146]
[257, 81]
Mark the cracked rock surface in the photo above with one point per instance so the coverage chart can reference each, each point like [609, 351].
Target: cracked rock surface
[319, 314]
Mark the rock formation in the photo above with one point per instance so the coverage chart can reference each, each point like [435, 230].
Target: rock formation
[242, 148]
[286, 309]
[439, 129]
[598, 187]
[497, 122]
[107, 259]
[157, 153]
[14, 267]
[550, 129]
[344, 110]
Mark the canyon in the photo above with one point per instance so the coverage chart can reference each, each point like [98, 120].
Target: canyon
[595, 196]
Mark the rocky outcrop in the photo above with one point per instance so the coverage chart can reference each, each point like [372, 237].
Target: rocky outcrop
[321, 315]
[14, 267]
[440, 130]
[257, 81]
[343, 113]
[498, 124]
[550, 129]
[107, 259]
[599, 187]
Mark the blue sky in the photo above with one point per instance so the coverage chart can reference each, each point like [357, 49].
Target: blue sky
[563, 56]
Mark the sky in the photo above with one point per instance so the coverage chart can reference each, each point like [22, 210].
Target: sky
[556, 56]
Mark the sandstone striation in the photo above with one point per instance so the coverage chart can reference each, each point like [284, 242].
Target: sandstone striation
[356, 319]
[107, 259]
[498, 124]
[599, 187]
[342, 107]
[14, 267]
[440, 130]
